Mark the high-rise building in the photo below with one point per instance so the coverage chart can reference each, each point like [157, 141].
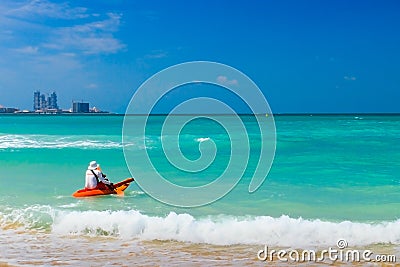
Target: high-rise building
[41, 102]
[36, 100]
[80, 107]
[52, 101]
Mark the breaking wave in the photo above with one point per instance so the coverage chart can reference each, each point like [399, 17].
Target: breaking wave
[218, 230]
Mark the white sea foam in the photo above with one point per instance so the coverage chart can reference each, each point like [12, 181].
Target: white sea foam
[202, 139]
[70, 205]
[219, 230]
[47, 141]
[15, 141]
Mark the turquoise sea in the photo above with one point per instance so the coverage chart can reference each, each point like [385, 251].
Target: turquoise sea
[333, 177]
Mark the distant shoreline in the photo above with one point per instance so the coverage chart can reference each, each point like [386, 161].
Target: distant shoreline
[240, 114]
[59, 114]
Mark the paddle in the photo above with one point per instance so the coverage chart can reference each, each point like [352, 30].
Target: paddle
[120, 193]
[120, 187]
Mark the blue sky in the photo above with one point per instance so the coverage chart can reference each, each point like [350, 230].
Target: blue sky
[306, 56]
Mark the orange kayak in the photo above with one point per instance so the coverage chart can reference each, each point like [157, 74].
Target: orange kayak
[104, 190]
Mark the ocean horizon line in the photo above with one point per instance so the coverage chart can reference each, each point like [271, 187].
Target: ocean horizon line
[213, 114]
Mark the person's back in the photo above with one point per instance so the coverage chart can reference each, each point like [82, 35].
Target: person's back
[94, 176]
[90, 181]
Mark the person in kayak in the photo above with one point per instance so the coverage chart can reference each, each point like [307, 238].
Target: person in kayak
[95, 178]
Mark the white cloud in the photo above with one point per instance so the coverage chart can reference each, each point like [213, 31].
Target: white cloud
[83, 32]
[111, 24]
[350, 78]
[90, 38]
[45, 8]
[91, 86]
[225, 81]
[145, 62]
[27, 50]
[157, 54]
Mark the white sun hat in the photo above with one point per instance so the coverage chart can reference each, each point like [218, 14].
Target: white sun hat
[93, 165]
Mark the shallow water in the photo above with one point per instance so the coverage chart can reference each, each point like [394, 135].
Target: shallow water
[333, 177]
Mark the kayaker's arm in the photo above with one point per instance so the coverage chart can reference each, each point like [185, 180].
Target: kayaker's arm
[101, 178]
[106, 181]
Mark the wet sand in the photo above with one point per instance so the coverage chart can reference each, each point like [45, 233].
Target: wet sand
[38, 249]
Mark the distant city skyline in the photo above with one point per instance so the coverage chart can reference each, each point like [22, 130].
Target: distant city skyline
[40, 101]
[48, 103]
[306, 57]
